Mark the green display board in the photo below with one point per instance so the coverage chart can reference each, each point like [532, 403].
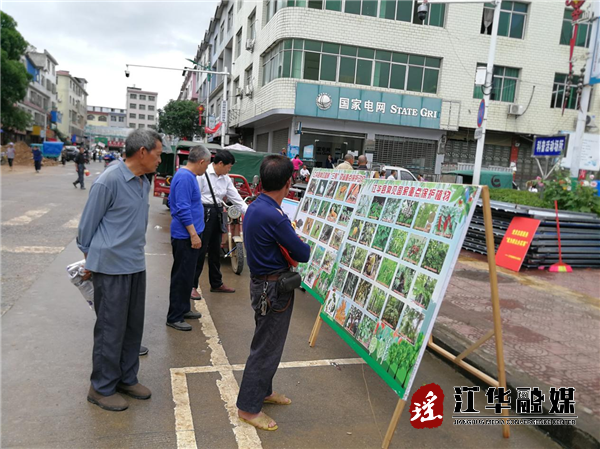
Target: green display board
[382, 253]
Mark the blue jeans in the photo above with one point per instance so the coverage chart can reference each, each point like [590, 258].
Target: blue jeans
[80, 175]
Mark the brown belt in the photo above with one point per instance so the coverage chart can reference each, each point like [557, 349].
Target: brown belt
[267, 277]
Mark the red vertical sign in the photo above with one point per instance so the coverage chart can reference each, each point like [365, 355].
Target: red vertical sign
[516, 242]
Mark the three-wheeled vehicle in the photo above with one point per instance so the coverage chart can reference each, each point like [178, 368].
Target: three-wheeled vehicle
[492, 176]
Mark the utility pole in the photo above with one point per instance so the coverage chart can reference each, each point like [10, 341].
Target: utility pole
[585, 95]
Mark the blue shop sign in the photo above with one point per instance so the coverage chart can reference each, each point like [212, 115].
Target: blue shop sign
[345, 103]
[549, 146]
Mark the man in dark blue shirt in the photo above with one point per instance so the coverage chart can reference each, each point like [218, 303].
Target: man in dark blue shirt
[266, 231]
[186, 227]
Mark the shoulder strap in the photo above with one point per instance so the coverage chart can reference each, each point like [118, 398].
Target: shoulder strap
[212, 193]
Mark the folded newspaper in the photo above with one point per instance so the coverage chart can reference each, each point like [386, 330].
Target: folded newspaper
[76, 273]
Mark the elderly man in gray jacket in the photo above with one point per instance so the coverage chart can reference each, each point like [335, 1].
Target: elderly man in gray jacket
[112, 236]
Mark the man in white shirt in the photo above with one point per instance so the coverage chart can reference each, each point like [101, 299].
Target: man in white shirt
[215, 185]
[393, 176]
[304, 173]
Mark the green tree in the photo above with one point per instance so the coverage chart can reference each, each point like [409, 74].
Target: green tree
[180, 118]
[14, 76]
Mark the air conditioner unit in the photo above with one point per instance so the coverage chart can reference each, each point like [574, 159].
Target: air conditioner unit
[239, 91]
[250, 44]
[248, 90]
[515, 109]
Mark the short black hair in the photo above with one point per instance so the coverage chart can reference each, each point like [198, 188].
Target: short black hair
[224, 156]
[275, 172]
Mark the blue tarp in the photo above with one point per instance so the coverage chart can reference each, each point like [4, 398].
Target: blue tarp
[52, 149]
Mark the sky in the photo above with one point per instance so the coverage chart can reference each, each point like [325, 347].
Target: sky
[94, 40]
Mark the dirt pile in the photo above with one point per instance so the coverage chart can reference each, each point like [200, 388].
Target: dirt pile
[24, 156]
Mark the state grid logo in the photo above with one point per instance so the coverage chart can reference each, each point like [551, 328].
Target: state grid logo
[324, 101]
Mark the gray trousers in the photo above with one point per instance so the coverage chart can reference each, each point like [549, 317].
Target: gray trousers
[119, 301]
[267, 346]
[80, 175]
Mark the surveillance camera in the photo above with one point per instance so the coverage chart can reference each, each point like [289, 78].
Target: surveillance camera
[127, 73]
[422, 11]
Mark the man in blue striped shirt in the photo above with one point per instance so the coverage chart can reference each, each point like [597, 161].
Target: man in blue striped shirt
[112, 236]
[186, 227]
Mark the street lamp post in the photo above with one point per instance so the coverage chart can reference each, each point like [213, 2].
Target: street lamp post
[225, 73]
[487, 87]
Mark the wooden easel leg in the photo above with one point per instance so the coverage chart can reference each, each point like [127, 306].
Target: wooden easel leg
[312, 340]
[491, 255]
[393, 424]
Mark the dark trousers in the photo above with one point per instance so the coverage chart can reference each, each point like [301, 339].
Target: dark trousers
[267, 346]
[211, 244]
[185, 259]
[119, 301]
[10, 161]
[80, 175]
[37, 165]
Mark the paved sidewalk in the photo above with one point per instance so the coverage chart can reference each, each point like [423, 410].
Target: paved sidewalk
[550, 324]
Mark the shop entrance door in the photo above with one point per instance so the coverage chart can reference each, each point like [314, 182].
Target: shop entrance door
[328, 144]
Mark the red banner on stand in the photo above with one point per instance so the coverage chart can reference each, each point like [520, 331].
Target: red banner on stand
[515, 244]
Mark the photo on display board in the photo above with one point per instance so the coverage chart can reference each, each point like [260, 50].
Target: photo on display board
[345, 215]
[363, 206]
[306, 205]
[360, 256]
[410, 325]
[311, 276]
[312, 187]
[403, 280]
[367, 234]
[342, 311]
[347, 254]
[323, 209]
[376, 301]
[308, 225]
[353, 193]
[376, 208]
[350, 285]
[342, 191]
[435, 256]
[362, 292]
[316, 230]
[422, 290]
[414, 249]
[365, 330]
[380, 344]
[336, 240]
[396, 242]
[314, 207]
[387, 271]
[334, 212]
[328, 261]
[326, 233]
[318, 256]
[392, 311]
[407, 213]
[355, 229]
[321, 188]
[425, 217]
[331, 189]
[381, 237]
[338, 281]
[353, 319]
[331, 301]
[391, 210]
[372, 265]
[448, 220]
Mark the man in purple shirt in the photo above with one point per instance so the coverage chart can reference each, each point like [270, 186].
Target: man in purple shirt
[186, 227]
[267, 230]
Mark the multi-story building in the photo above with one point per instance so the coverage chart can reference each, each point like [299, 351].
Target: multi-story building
[141, 108]
[72, 105]
[369, 76]
[111, 117]
[41, 99]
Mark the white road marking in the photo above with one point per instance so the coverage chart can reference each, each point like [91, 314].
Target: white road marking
[72, 224]
[245, 435]
[34, 249]
[27, 218]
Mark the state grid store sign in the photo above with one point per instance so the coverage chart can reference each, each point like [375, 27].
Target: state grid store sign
[344, 103]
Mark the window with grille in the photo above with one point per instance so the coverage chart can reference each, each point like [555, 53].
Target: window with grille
[560, 88]
[416, 155]
[513, 16]
[504, 84]
[583, 31]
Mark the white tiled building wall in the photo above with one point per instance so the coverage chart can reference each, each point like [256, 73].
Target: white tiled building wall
[149, 111]
[538, 56]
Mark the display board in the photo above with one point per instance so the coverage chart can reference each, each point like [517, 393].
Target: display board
[383, 266]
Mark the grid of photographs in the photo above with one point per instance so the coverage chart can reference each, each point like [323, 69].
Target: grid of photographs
[394, 264]
[322, 221]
